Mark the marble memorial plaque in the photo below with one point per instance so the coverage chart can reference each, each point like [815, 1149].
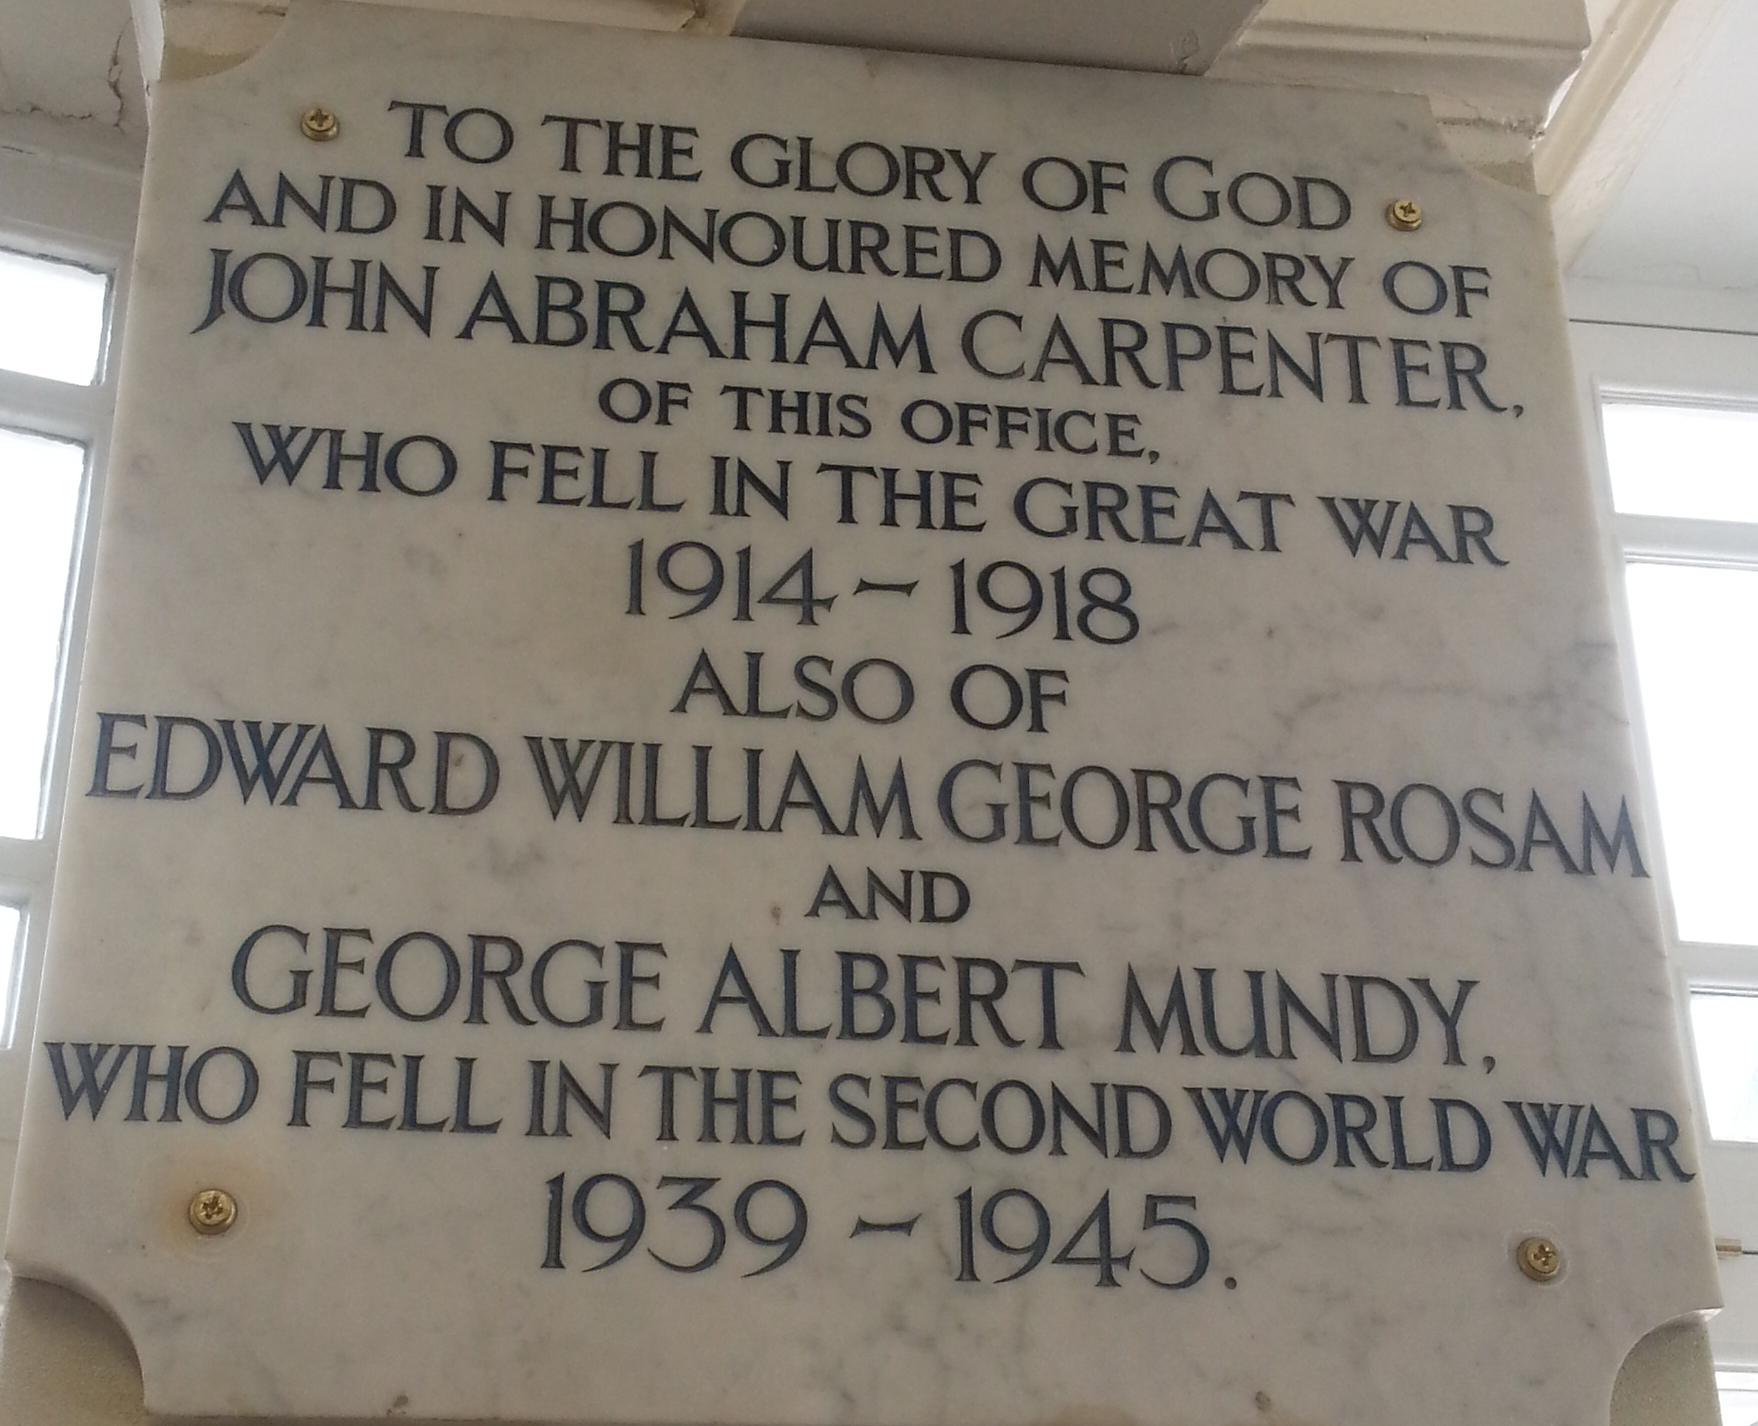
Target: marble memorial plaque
[790, 736]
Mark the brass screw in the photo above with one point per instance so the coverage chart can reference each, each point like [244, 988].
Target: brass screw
[212, 1211]
[319, 124]
[1404, 214]
[1539, 1258]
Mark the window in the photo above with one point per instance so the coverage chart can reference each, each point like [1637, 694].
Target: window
[65, 231]
[1684, 493]
[1677, 411]
[41, 481]
[56, 317]
[1699, 679]
[54, 405]
[1739, 1398]
[1725, 1028]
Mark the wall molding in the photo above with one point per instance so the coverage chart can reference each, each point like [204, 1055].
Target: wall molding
[184, 39]
[1491, 91]
[1604, 122]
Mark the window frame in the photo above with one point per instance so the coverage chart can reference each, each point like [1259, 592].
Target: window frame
[59, 200]
[1657, 363]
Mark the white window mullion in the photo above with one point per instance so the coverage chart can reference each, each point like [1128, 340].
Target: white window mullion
[24, 864]
[55, 408]
[1658, 538]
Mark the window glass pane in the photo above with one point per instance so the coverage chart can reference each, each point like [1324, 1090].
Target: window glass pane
[51, 317]
[1689, 462]
[39, 510]
[1725, 1027]
[1697, 662]
[1739, 1398]
[11, 924]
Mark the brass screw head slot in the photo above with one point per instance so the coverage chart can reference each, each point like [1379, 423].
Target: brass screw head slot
[1539, 1258]
[1404, 214]
[319, 124]
[212, 1211]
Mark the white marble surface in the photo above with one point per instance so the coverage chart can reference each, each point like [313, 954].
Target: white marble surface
[386, 1271]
